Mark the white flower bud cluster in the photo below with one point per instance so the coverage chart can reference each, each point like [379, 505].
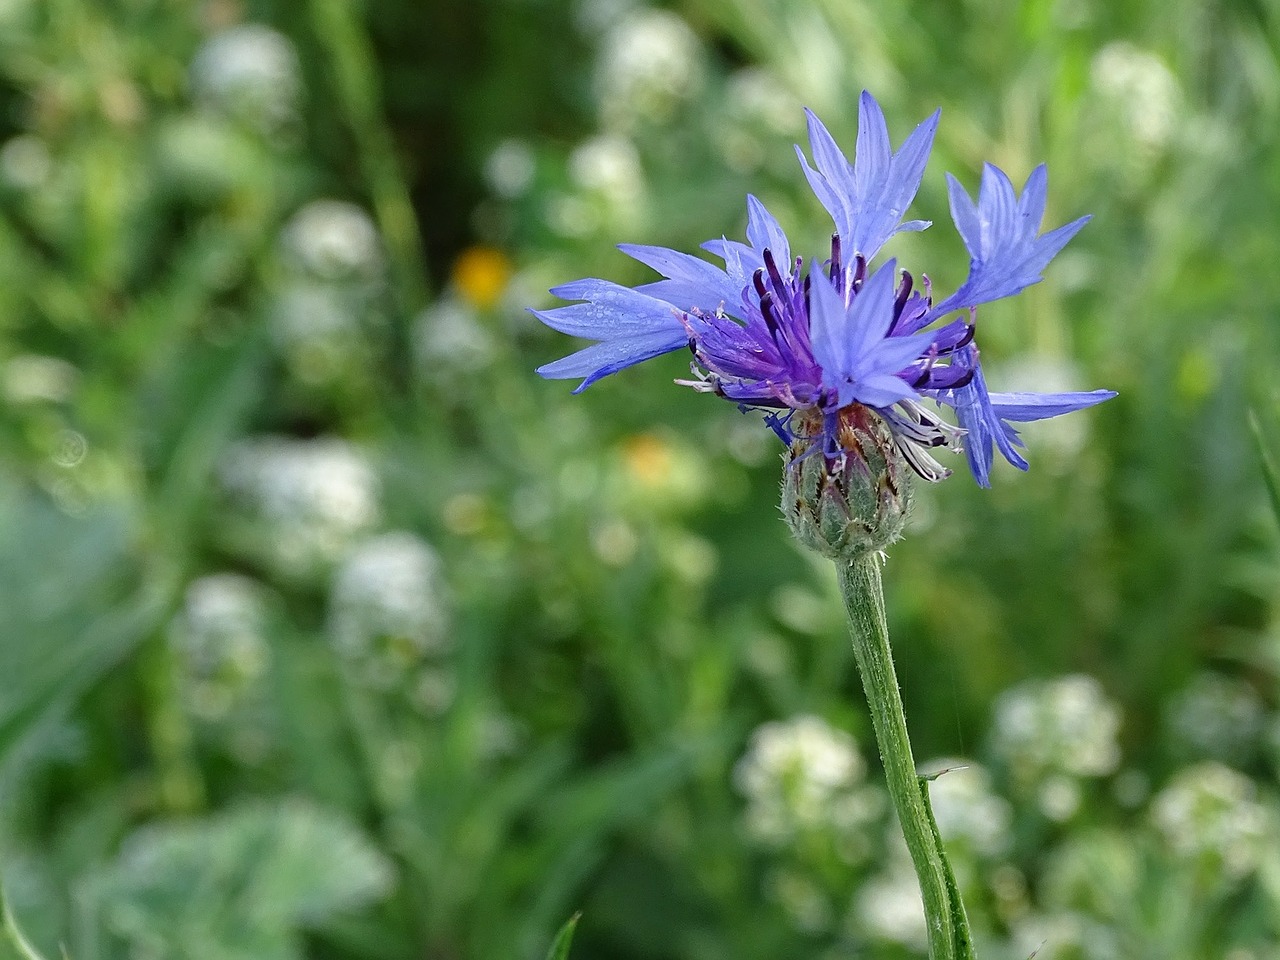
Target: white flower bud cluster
[25, 162]
[1145, 92]
[249, 72]
[758, 109]
[36, 378]
[803, 775]
[1210, 814]
[889, 906]
[649, 63]
[1136, 109]
[1064, 935]
[220, 642]
[334, 240]
[967, 809]
[510, 168]
[1217, 718]
[303, 502]
[1052, 733]
[450, 343]
[321, 315]
[388, 614]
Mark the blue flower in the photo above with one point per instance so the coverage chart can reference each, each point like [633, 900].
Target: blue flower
[767, 334]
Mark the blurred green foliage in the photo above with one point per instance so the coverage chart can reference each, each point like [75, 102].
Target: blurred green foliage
[327, 629]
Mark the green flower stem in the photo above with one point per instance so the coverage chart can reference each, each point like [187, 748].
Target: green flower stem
[945, 918]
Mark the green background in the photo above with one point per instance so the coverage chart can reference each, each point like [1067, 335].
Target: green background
[490, 653]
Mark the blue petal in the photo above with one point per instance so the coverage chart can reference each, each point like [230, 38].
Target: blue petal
[765, 234]
[828, 330]
[984, 416]
[1006, 255]
[832, 181]
[868, 200]
[613, 311]
[886, 183]
[601, 359]
[1026, 407]
[849, 342]
[897, 353]
[632, 327]
[740, 260]
[881, 390]
[691, 282]
[871, 313]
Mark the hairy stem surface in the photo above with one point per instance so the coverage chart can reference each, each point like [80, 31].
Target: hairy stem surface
[948, 927]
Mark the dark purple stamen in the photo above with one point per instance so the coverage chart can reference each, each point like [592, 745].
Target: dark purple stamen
[767, 311]
[859, 271]
[757, 278]
[904, 291]
[835, 260]
[964, 341]
[775, 277]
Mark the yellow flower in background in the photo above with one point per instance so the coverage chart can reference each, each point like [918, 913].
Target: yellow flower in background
[480, 275]
[649, 459]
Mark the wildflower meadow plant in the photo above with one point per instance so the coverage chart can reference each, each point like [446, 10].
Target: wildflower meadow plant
[841, 359]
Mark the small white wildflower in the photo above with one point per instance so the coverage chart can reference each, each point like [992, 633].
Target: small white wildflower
[570, 216]
[251, 72]
[388, 602]
[650, 62]
[1063, 935]
[31, 378]
[966, 807]
[1141, 88]
[334, 240]
[1059, 797]
[450, 342]
[596, 16]
[889, 907]
[796, 776]
[802, 899]
[1216, 717]
[25, 162]
[1061, 438]
[321, 330]
[307, 500]
[1066, 726]
[219, 638]
[759, 114]
[755, 96]
[510, 168]
[306, 312]
[608, 165]
[1210, 814]
[435, 689]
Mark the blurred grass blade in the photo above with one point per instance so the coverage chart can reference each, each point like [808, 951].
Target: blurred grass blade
[560, 946]
[1270, 473]
[354, 71]
[14, 933]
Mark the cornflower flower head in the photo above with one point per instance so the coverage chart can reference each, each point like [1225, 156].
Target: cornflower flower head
[842, 352]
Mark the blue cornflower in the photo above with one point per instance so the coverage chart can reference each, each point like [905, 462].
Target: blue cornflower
[767, 334]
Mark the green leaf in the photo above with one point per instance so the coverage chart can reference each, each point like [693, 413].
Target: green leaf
[560, 945]
[238, 885]
[66, 614]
